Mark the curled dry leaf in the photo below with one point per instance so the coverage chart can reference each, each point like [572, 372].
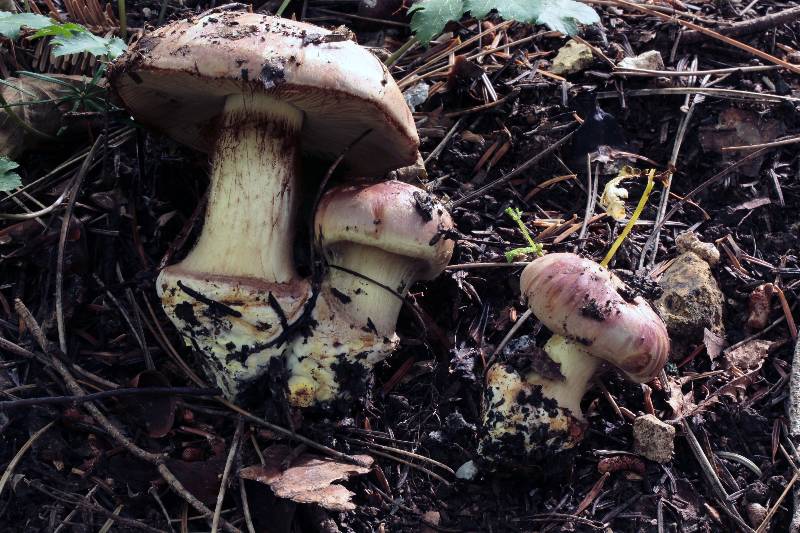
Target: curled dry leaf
[749, 355]
[714, 343]
[309, 479]
[681, 403]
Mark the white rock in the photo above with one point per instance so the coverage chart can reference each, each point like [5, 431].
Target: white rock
[650, 60]
[468, 471]
[653, 438]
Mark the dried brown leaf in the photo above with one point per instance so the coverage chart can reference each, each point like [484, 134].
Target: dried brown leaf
[309, 479]
[714, 343]
[749, 355]
[681, 403]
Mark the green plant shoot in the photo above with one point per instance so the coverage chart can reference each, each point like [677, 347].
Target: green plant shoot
[532, 248]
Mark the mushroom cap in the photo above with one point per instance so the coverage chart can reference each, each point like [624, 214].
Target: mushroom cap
[392, 216]
[585, 302]
[176, 79]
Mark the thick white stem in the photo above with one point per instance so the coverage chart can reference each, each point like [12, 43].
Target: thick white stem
[577, 367]
[249, 226]
[363, 300]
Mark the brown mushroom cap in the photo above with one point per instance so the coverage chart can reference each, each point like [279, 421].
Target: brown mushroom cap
[393, 216]
[176, 79]
[582, 301]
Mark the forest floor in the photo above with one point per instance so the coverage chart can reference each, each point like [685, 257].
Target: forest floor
[498, 129]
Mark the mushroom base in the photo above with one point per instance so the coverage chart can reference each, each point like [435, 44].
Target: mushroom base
[236, 324]
[529, 417]
[335, 360]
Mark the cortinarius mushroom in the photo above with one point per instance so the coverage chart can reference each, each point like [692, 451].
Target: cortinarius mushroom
[594, 317]
[378, 240]
[255, 91]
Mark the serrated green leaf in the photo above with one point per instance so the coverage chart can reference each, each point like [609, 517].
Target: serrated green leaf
[78, 43]
[429, 17]
[562, 15]
[9, 180]
[11, 24]
[559, 15]
[59, 30]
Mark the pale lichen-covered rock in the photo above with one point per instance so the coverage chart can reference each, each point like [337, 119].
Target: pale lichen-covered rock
[571, 58]
[690, 303]
[653, 439]
[688, 241]
[650, 60]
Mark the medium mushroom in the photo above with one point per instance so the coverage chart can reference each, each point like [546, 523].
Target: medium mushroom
[378, 240]
[256, 92]
[534, 410]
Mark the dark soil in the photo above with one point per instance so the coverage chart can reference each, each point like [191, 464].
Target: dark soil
[136, 211]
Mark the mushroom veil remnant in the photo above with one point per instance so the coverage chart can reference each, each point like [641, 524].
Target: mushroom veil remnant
[530, 413]
[256, 92]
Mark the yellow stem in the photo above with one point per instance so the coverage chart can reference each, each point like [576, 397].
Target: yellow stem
[632, 221]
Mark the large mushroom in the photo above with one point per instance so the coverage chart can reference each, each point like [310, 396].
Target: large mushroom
[378, 240]
[256, 92]
[533, 410]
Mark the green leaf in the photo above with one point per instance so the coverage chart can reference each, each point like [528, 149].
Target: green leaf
[59, 30]
[11, 24]
[78, 43]
[559, 15]
[9, 180]
[429, 17]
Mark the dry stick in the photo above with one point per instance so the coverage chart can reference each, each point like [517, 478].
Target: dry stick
[747, 27]
[72, 499]
[471, 266]
[707, 183]
[400, 451]
[518, 324]
[711, 477]
[710, 91]
[773, 144]
[292, 435]
[654, 237]
[517, 171]
[156, 460]
[767, 519]
[62, 241]
[237, 437]
[18, 456]
[115, 393]
[711, 33]
[647, 73]
[410, 465]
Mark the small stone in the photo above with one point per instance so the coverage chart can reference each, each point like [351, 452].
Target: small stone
[756, 513]
[691, 302]
[571, 58]
[653, 439]
[650, 60]
[468, 471]
[430, 518]
[688, 241]
[416, 95]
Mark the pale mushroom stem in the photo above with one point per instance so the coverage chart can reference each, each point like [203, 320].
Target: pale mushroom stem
[249, 226]
[365, 301]
[577, 367]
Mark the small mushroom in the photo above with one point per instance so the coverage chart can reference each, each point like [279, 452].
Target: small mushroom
[378, 240]
[256, 92]
[532, 414]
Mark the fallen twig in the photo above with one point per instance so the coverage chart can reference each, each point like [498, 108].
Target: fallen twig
[115, 393]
